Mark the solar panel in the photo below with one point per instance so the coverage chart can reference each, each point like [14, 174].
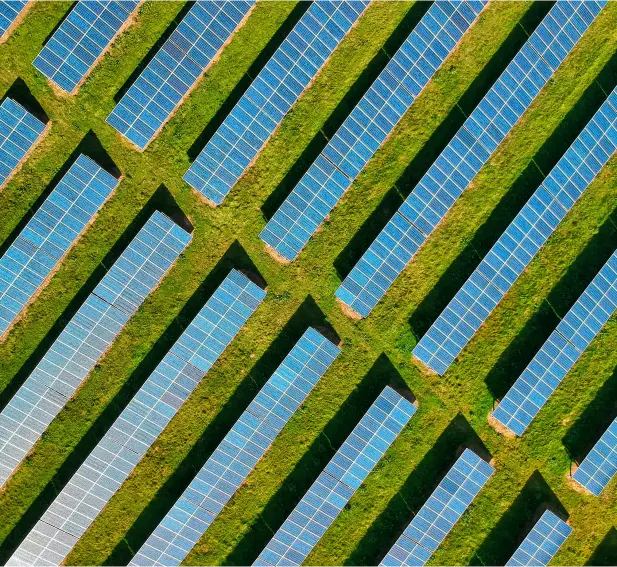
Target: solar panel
[542, 542]
[141, 422]
[561, 351]
[465, 154]
[367, 127]
[81, 40]
[9, 13]
[442, 510]
[521, 241]
[600, 465]
[277, 87]
[49, 234]
[175, 69]
[87, 337]
[19, 131]
[343, 475]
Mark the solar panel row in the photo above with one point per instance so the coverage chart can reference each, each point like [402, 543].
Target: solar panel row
[542, 542]
[141, 422]
[442, 510]
[561, 351]
[367, 127]
[175, 69]
[521, 241]
[466, 153]
[9, 13]
[87, 337]
[81, 40]
[19, 131]
[49, 234]
[343, 475]
[238, 453]
[271, 96]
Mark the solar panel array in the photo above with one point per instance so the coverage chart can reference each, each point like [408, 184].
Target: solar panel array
[600, 465]
[521, 241]
[467, 152]
[368, 126]
[442, 510]
[141, 422]
[561, 351]
[49, 234]
[9, 12]
[87, 337]
[238, 453]
[175, 69]
[336, 484]
[81, 40]
[270, 97]
[542, 542]
[19, 131]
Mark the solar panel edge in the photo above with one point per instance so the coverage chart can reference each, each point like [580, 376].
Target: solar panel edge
[16, 22]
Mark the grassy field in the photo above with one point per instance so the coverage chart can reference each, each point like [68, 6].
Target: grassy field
[376, 351]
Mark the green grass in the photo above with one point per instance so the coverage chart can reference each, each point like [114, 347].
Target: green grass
[376, 351]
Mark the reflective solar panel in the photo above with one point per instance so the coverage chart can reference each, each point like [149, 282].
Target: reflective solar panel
[442, 510]
[80, 41]
[561, 351]
[521, 241]
[466, 153]
[87, 337]
[239, 452]
[19, 131]
[367, 127]
[9, 13]
[277, 87]
[600, 465]
[175, 69]
[49, 234]
[542, 542]
[335, 486]
[141, 422]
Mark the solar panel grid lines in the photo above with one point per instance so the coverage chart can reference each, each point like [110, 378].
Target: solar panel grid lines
[176, 69]
[139, 424]
[441, 512]
[560, 352]
[11, 13]
[368, 126]
[81, 40]
[86, 338]
[339, 480]
[542, 542]
[521, 241]
[19, 132]
[277, 87]
[238, 453]
[466, 153]
[38, 250]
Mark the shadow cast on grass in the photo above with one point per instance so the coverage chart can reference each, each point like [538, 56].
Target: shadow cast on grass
[420, 484]
[517, 522]
[20, 92]
[381, 374]
[606, 552]
[440, 138]
[308, 314]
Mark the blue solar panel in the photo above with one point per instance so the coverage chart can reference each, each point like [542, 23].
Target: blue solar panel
[175, 69]
[521, 241]
[368, 126]
[467, 152]
[561, 351]
[9, 13]
[237, 455]
[542, 542]
[442, 510]
[600, 465]
[141, 422]
[342, 476]
[270, 97]
[80, 41]
[19, 131]
[87, 337]
[49, 234]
